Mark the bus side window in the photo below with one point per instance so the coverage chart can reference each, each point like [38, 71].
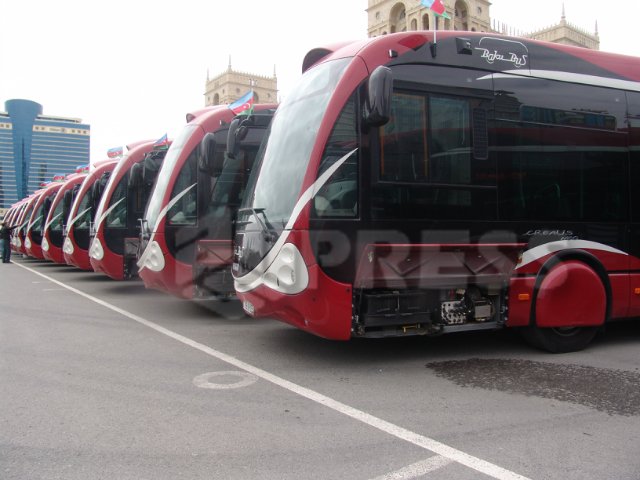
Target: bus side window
[426, 162]
[184, 211]
[403, 140]
[118, 216]
[633, 119]
[338, 197]
[563, 151]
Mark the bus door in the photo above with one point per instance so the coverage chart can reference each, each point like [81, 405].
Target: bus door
[426, 238]
[227, 166]
[184, 224]
[140, 181]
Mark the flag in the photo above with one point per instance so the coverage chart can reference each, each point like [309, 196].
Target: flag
[114, 152]
[244, 105]
[437, 7]
[59, 177]
[82, 168]
[163, 141]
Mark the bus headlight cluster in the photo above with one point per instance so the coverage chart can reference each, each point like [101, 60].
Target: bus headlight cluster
[27, 243]
[288, 272]
[67, 247]
[153, 258]
[96, 251]
[45, 245]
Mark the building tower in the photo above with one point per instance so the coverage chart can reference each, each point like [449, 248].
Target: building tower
[567, 34]
[390, 16]
[35, 147]
[231, 85]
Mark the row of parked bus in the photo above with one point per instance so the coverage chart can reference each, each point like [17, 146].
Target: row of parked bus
[94, 219]
[399, 189]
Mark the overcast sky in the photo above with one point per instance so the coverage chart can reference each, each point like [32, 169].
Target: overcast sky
[133, 69]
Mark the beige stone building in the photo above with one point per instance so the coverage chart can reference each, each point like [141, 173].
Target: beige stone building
[231, 85]
[390, 16]
[568, 34]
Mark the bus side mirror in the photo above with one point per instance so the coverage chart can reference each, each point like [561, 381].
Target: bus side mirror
[379, 90]
[66, 204]
[135, 176]
[208, 161]
[98, 190]
[233, 144]
[46, 207]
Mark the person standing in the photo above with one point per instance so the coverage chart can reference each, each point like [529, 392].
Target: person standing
[5, 242]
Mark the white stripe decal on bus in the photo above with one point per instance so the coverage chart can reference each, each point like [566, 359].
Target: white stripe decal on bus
[48, 224]
[253, 279]
[568, 77]
[541, 251]
[75, 219]
[161, 215]
[104, 215]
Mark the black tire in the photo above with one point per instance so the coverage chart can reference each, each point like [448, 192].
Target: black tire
[559, 340]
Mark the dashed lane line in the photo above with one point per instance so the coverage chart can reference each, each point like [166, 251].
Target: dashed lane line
[397, 431]
[418, 469]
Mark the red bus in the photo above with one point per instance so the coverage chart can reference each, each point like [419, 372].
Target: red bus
[10, 216]
[186, 238]
[114, 244]
[23, 220]
[76, 235]
[53, 234]
[14, 218]
[405, 189]
[34, 232]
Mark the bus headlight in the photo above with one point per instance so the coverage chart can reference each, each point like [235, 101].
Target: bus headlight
[27, 243]
[45, 245]
[288, 272]
[153, 258]
[96, 251]
[67, 247]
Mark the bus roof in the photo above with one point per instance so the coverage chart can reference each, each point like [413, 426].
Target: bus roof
[491, 52]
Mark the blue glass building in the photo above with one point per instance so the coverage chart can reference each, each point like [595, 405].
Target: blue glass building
[35, 147]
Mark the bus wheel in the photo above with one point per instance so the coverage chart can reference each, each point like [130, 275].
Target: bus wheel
[559, 339]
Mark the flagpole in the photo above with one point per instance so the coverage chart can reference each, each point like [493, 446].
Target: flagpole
[435, 38]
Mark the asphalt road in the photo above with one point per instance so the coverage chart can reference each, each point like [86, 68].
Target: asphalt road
[106, 380]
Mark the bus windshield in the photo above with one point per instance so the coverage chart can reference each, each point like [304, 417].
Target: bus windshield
[285, 152]
[37, 221]
[109, 187]
[57, 219]
[164, 177]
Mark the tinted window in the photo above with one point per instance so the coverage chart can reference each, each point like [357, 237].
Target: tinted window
[426, 167]
[562, 151]
[84, 210]
[117, 217]
[57, 217]
[184, 211]
[634, 145]
[338, 197]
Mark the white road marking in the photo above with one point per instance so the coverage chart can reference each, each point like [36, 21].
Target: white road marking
[397, 431]
[417, 469]
[204, 380]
